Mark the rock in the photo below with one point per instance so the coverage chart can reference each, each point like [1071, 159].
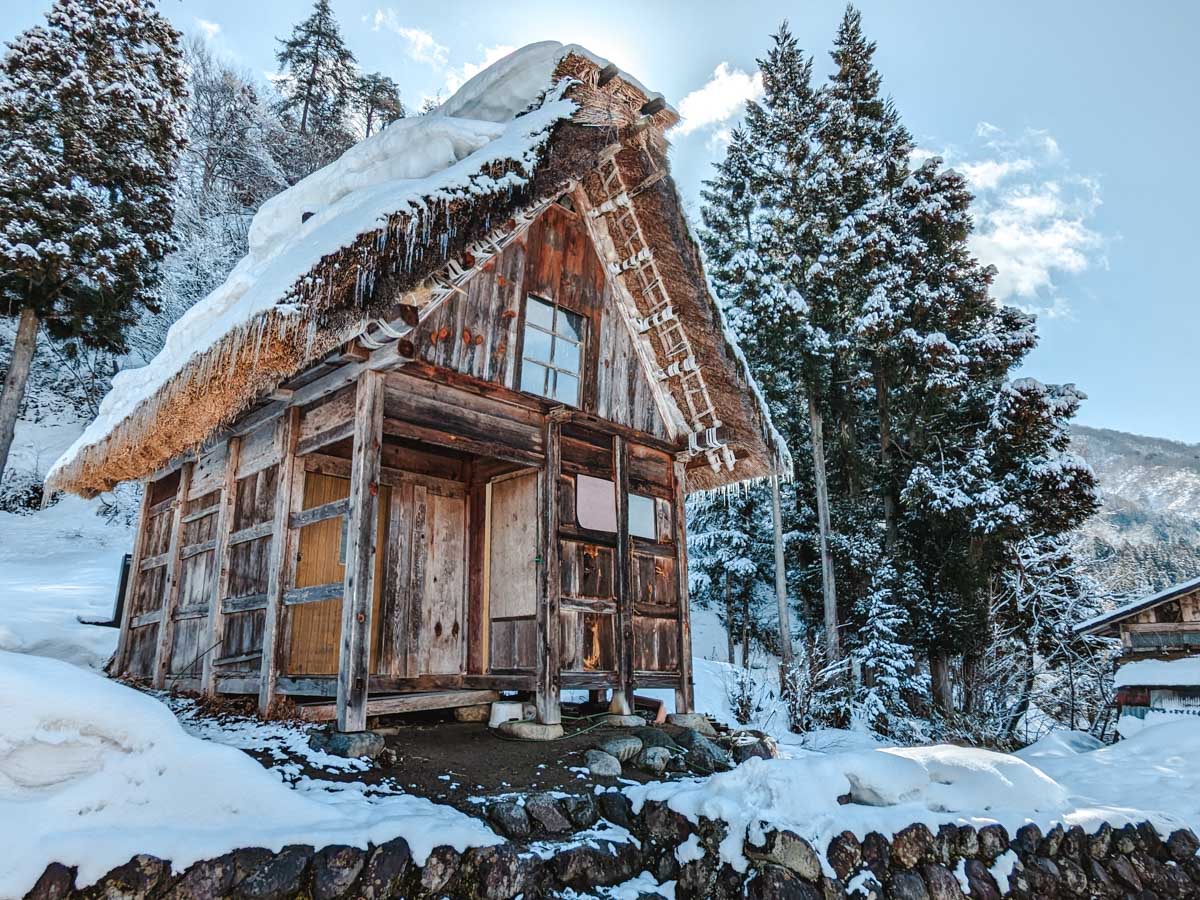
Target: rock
[694, 721]
[618, 721]
[983, 886]
[55, 883]
[941, 883]
[831, 889]
[1182, 845]
[655, 737]
[907, 885]
[866, 887]
[844, 854]
[499, 872]
[217, 877]
[282, 876]
[617, 808]
[623, 746]
[1100, 843]
[1099, 883]
[789, 850]
[945, 844]
[748, 745]
[334, 871]
[1025, 842]
[1074, 844]
[1151, 841]
[351, 744]
[511, 818]
[1052, 842]
[967, 844]
[1178, 883]
[480, 712]
[602, 765]
[1073, 877]
[531, 731]
[702, 754]
[653, 760]
[581, 810]
[1126, 840]
[385, 870]
[544, 810]
[663, 826]
[777, 883]
[912, 846]
[605, 863]
[877, 854]
[141, 877]
[1044, 876]
[440, 869]
[993, 842]
[1122, 870]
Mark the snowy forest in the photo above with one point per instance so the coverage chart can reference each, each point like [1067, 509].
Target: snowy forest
[930, 582]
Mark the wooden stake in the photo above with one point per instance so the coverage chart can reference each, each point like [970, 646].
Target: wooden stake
[214, 627]
[354, 659]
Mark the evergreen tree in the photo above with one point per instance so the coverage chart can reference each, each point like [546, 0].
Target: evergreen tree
[90, 133]
[378, 102]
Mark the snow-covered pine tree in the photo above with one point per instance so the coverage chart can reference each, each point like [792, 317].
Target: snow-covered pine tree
[90, 134]
[377, 102]
[318, 84]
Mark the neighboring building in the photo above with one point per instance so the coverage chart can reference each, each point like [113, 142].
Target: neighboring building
[1160, 636]
[432, 438]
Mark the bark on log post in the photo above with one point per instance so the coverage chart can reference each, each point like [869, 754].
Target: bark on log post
[214, 627]
[546, 695]
[166, 622]
[833, 646]
[623, 694]
[277, 563]
[15, 380]
[354, 660]
[684, 694]
[135, 573]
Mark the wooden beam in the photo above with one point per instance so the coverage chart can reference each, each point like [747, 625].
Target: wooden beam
[623, 694]
[546, 696]
[277, 562]
[331, 510]
[139, 541]
[684, 693]
[166, 626]
[312, 594]
[402, 703]
[359, 591]
[215, 626]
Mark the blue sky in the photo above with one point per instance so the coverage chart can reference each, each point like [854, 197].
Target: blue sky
[1074, 121]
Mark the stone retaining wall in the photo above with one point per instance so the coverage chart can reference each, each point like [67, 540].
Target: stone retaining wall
[915, 864]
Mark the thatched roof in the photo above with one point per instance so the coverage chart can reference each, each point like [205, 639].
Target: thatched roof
[396, 217]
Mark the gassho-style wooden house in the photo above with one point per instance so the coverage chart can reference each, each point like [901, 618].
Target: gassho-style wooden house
[432, 438]
[1159, 665]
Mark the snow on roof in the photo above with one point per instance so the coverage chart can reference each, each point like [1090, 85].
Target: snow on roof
[1159, 673]
[407, 164]
[1096, 623]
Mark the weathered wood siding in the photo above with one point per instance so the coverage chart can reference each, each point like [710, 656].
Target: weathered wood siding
[512, 571]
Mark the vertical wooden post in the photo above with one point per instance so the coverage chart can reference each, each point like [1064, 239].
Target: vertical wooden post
[277, 562]
[354, 660]
[548, 626]
[622, 702]
[684, 699]
[476, 582]
[214, 627]
[166, 623]
[135, 566]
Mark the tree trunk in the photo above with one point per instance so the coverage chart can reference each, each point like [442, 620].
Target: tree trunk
[828, 588]
[745, 628]
[730, 624]
[970, 680]
[15, 380]
[785, 621]
[940, 681]
[890, 526]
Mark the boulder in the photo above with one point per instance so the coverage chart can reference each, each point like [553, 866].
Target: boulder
[792, 852]
[907, 885]
[217, 877]
[480, 712]
[55, 883]
[663, 826]
[602, 764]
[531, 731]
[510, 818]
[499, 873]
[703, 755]
[1182, 845]
[694, 721]
[544, 810]
[385, 870]
[1100, 843]
[746, 745]
[334, 871]
[282, 876]
[623, 746]
[619, 721]
[653, 760]
[596, 863]
[877, 854]
[143, 876]
[617, 808]
[351, 744]
[655, 737]
[1123, 872]
[980, 880]
[993, 842]
[844, 854]
[941, 883]
[912, 846]
[581, 810]
[778, 883]
[439, 870]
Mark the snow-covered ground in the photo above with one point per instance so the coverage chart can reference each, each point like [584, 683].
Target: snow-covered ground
[92, 771]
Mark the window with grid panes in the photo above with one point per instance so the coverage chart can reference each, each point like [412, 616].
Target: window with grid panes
[553, 351]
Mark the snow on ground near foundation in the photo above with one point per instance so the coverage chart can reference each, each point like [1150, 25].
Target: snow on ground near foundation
[93, 772]
[1183, 672]
[56, 565]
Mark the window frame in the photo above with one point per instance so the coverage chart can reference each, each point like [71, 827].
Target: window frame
[553, 365]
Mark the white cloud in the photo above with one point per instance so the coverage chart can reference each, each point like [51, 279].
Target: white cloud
[719, 100]
[209, 29]
[1034, 216]
[420, 45]
[456, 78]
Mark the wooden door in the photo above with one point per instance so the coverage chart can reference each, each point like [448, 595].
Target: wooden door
[512, 571]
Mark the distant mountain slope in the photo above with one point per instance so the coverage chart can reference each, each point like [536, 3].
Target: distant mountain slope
[1147, 535]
